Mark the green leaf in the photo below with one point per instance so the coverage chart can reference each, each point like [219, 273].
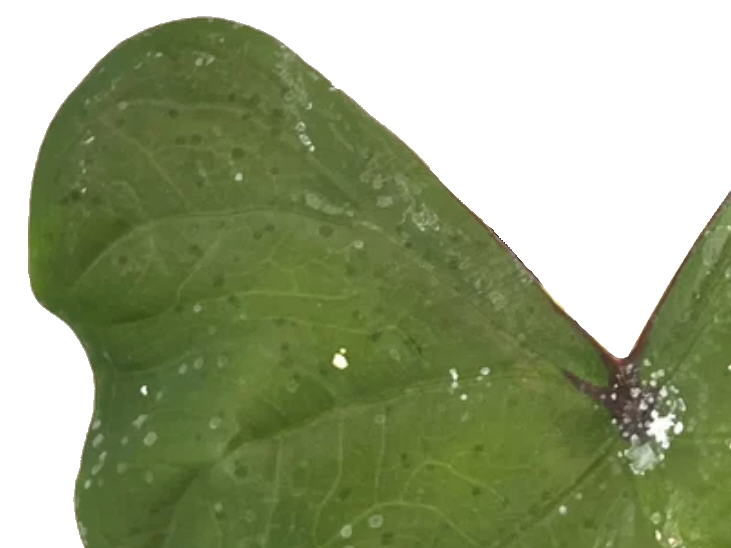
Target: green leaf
[300, 338]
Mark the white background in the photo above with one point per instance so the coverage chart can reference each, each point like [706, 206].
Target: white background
[595, 138]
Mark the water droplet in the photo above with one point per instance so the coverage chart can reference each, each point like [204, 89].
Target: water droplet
[150, 439]
[346, 531]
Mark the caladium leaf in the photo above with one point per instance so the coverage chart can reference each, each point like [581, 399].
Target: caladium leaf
[299, 337]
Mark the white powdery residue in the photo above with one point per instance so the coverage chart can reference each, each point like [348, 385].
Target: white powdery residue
[659, 427]
[346, 531]
[204, 59]
[150, 439]
[339, 361]
[643, 457]
[375, 521]
[384, 201]
[317, 202]
[666, 408]
[454, 374]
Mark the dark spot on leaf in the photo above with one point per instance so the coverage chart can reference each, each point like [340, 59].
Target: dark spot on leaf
[476, 491]
[254, 100]
[386, 538]
[196, 139]
[241, 470]
[344, 493]
[325, 231]
[173, 113]
[237, 152]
